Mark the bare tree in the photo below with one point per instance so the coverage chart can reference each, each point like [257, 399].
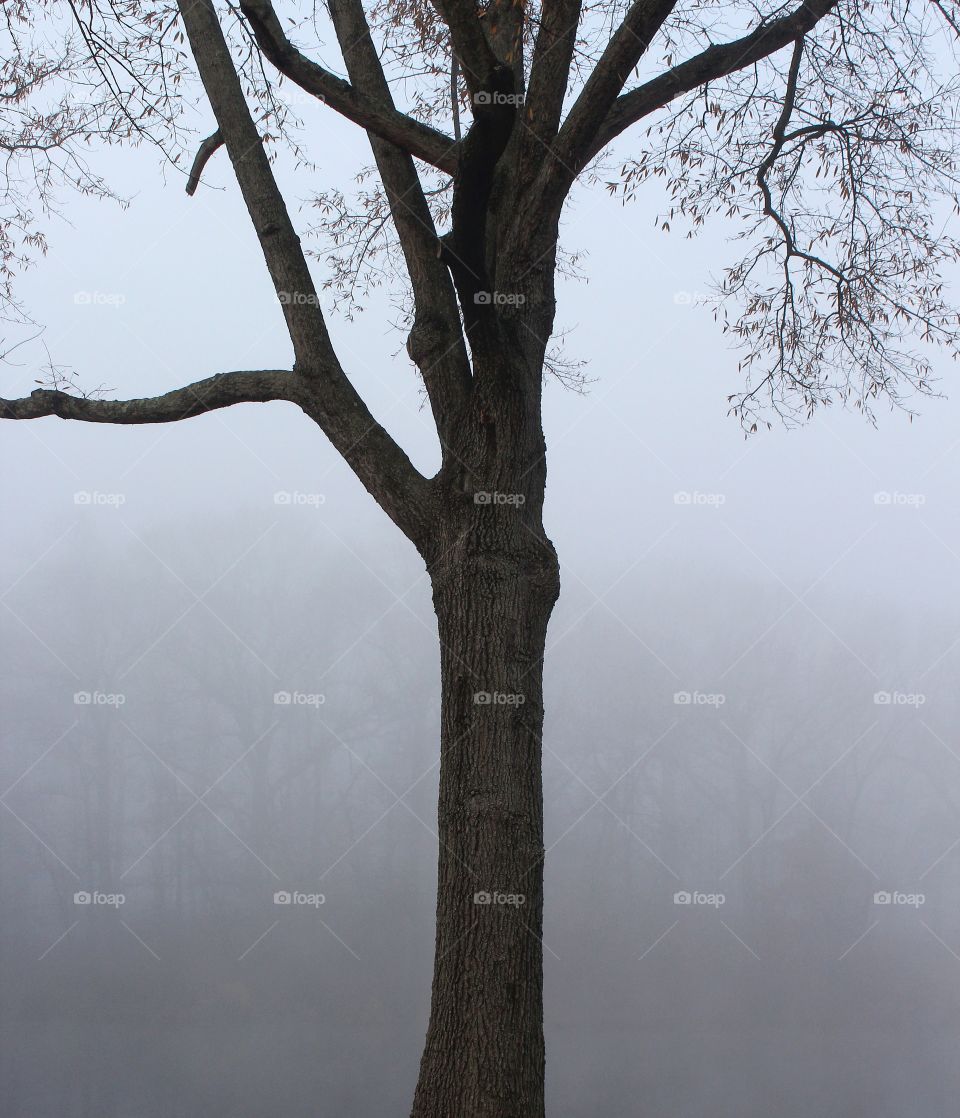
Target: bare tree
[824, 129]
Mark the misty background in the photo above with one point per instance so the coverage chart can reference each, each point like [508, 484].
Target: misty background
[750, 695]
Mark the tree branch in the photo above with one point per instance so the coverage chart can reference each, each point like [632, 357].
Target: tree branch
[382, 467]
[220, 391]
[550, 70]
[268, 212]
[470, 43]
[210, 145]
[328, 396]
[710, 65]
[420, 140]
[621, 56]
[502, 25]
[436, 342]
[780, 139]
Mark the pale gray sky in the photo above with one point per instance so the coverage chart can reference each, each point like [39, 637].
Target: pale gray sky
[196, 300]
[781, 584]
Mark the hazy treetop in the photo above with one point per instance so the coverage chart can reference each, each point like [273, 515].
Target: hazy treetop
[826, 132]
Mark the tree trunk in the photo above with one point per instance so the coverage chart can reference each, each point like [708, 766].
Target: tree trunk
[495, 581]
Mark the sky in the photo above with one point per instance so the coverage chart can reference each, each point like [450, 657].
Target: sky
[797, 574]
[176, 291]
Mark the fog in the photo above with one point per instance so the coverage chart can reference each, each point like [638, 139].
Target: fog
[221, 683]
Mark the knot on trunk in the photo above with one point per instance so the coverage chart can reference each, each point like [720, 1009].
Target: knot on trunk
[525, 566]
[427, 338]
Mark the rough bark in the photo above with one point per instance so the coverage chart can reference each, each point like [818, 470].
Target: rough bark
[495, 580]
[484, 1055]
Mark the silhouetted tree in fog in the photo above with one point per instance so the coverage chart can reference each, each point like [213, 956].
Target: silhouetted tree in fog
[822, 129]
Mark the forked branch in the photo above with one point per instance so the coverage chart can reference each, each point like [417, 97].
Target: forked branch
[710, 65]
[421, 140]
[436, 342]
[622, 54]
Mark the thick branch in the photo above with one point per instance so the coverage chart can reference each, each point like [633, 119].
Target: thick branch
[713, 63]
[268, 212]
[621, 56]
[503, 27]
[426, 143]
[469, 250]
[470, 43]
[382, 467]
[550, 70]
[333, 401]
[220, 391]
[436, 343]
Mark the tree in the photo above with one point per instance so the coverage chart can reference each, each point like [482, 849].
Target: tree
[824, 130]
